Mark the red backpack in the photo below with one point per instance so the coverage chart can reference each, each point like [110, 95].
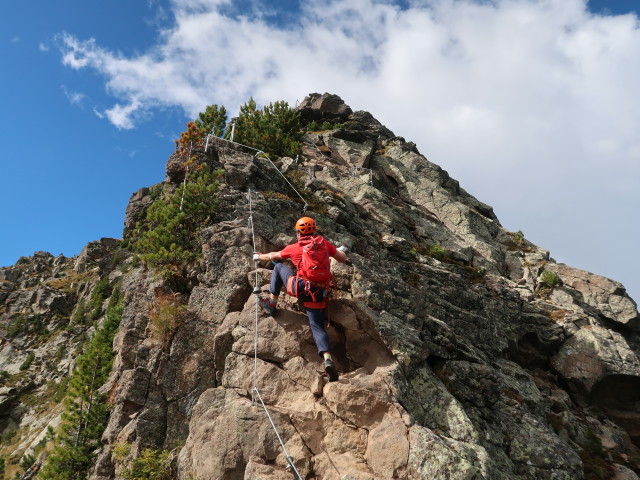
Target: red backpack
[315, 264]
[314, 267]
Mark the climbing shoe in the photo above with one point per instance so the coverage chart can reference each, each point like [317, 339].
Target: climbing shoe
[266, 305]
[330, 368]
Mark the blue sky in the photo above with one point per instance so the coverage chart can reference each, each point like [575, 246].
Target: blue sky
[531, 104]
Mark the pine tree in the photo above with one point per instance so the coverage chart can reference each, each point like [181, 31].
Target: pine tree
[86, 411]
[276, 129]
[193, 137]
[213, 120]
[169, 237]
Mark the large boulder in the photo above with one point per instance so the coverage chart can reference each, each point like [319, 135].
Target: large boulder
[325, 107]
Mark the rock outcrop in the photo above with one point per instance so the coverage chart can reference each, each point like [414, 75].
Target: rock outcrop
[465, 351]
[49, 306]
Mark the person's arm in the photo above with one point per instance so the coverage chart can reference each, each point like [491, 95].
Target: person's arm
[272, 257]
[340, 255]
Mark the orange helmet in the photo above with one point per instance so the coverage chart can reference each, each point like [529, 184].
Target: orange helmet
[306, 225]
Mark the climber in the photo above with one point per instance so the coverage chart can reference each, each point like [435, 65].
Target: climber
[311, 293]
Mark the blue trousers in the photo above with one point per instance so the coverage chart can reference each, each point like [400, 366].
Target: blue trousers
[317, 316]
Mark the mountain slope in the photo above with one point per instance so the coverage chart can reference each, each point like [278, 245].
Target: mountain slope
[465, 351]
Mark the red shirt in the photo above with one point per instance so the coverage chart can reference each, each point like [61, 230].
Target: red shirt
[294, 252]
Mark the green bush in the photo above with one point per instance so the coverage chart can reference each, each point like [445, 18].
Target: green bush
[26, 461]
[18, 326]
[276, 129]
[149, 465]
[8, 435]
[437, 252]
[550, 279]
[100, 292]
[61, 390]
[313, 126]
[477, 273]
[169, 237]
[28, 361]
[518, 238]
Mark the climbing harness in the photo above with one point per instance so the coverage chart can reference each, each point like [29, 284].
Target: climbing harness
[255, 393]
[260, 154]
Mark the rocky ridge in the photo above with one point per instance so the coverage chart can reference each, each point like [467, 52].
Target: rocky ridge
[465, 351]
[49, 306]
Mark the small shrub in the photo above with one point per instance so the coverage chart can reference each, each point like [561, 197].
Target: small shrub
[477, 273]
[80, 315]
[100, 292]
[518, 242]
[9, 435]
[28, 361]
[59, 352]
[155, 191]
[61, 390]
[166, 315]
[150, 464]
[276, 195]
[17, 327]
[297, 178]
[437, 252]
[594, 459]
[518, 238]
[550, 279]
[27, 461]
[118, 258]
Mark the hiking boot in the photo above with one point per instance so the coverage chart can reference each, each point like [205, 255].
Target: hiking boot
[266, 305]
[330, 368]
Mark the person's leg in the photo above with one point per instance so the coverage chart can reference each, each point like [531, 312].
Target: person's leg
[279, 276]
[317, 318]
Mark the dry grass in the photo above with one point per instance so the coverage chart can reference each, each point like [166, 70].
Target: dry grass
[166, 316]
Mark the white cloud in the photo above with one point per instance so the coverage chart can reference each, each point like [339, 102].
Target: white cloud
[16, 40]
[533, 105]
[123, 116]
[43, 47]
[75, 98]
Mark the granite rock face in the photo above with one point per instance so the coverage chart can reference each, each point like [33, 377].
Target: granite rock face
[458, 357]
